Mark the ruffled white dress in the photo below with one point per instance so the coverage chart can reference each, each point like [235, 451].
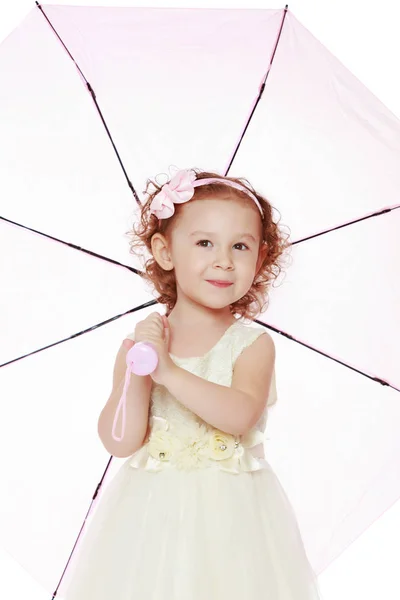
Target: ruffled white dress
[195, 514]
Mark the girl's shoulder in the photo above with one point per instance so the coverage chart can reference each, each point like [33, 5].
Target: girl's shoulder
[243, 335]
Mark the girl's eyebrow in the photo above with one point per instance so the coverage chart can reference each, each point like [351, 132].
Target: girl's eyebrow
[210, 234]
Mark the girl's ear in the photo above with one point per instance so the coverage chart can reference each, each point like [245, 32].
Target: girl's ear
[160, 250]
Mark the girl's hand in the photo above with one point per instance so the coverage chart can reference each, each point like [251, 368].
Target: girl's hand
[154, 329]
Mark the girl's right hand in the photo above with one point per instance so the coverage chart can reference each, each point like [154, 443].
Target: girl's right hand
[144, 330]
[155, 330]
[149, 328]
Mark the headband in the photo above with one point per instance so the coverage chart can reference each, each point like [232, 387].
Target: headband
[181, 189]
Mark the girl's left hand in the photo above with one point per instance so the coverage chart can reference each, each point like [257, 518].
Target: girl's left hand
[155, 330]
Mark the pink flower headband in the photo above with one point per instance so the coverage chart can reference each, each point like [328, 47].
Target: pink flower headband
[181, 189]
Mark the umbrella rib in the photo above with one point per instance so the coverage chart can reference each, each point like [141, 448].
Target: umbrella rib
[83, 525]
[74, 246]
[75, 335]
[378, 213]
[260, 93]
[262, 323]
[340, 362]
[92, 93]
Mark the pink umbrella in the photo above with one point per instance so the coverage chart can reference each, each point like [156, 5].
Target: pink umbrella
[96, 100]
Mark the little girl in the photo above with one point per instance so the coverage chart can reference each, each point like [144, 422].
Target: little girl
[196, 512]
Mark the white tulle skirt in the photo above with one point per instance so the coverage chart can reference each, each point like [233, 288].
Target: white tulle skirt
[192, 535]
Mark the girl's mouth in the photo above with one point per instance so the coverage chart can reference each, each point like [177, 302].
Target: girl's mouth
[220, 283]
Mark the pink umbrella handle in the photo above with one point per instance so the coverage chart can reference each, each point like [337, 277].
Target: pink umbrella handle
[141, 359]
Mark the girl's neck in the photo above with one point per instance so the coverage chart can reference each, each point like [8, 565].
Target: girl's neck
[183, 319]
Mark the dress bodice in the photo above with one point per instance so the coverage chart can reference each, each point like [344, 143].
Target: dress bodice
[179, 438]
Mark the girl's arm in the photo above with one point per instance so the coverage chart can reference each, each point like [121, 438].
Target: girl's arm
[137, 410]
[234, 409]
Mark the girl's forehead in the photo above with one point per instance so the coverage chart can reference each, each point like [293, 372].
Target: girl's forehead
[214, 215]
[208, 208]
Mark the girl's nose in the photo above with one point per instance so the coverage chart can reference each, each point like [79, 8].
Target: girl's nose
[224, 260]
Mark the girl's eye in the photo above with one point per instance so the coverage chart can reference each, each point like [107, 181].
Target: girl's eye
[239, 244]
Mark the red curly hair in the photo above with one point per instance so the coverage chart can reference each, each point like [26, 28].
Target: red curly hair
[256, 299]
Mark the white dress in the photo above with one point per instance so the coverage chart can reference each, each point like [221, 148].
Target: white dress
[195, 514]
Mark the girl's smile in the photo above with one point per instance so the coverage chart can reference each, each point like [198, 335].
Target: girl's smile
[217, 283]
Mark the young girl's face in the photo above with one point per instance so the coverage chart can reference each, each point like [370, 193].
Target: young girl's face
[216, 239]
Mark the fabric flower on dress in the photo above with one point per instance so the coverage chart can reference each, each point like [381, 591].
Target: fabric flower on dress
[192, 451]
[164, 446]
[197, 445]
[192, 456]
[221, 445]
[243, 459]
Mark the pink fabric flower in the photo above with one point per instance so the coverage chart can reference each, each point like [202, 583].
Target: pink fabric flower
[180, 189]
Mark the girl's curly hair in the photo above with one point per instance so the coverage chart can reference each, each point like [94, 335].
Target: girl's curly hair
[256, 299]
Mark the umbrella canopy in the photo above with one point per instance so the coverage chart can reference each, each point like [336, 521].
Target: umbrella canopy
[96, 100]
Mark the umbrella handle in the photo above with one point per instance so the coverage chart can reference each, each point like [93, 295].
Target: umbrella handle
[141, 359]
